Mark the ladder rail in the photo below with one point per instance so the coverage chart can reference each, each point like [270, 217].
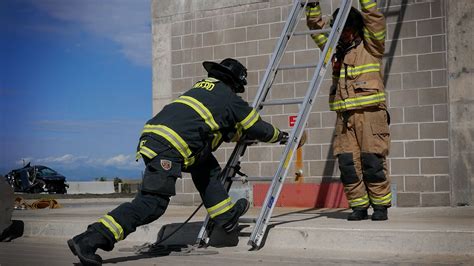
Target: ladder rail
[277, 55]
[258, 232]
[226, 177]
[227, 173]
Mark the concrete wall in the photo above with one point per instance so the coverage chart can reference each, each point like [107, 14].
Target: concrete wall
[103, 187]
[416, 61]
[460, 25]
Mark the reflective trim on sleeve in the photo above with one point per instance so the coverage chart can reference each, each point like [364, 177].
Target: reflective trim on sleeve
[220, 208]
[250, 120]
[114, 227]
[147, 152]
[379, 36]
[367, 4]
[319, 39]
[204, 113]
[385, 200]
[357, 101]
[276, 132]
[313, 11]
[172, 137]
[359, 202]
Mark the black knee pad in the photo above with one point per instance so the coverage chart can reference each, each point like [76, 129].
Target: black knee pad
[348, 171]
[372, 167]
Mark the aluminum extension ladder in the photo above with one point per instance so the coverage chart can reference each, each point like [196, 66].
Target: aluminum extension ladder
[232, 168]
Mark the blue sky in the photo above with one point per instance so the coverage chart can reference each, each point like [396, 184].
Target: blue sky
[75, 85]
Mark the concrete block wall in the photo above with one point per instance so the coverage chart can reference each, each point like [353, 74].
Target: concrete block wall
[186, 34]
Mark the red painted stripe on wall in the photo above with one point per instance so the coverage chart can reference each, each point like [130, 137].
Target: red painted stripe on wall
[325, 195]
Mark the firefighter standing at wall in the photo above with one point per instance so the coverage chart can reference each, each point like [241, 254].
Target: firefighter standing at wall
[362, 136]
[181, 137]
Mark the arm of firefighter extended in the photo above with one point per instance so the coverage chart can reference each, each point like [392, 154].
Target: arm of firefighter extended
[314, 20]
[249, 122]
[374, 27]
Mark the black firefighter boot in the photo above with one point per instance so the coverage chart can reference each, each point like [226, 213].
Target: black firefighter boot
[358, 213]
[241, 207]
[85, 245]
[380, 213]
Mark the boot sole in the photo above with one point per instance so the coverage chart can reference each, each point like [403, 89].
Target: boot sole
[77, 252]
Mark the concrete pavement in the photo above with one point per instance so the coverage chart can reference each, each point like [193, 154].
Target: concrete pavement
[443, 231]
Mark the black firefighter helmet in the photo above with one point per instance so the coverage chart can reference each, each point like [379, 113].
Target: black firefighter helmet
[230, 71]
[354, 20]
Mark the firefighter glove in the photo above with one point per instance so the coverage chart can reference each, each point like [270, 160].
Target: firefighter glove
[283, 137]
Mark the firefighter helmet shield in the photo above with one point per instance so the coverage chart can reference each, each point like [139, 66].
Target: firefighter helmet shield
[231, 68]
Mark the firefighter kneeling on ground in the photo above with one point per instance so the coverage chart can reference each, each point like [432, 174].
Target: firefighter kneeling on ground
[362, 135]
[182, 137]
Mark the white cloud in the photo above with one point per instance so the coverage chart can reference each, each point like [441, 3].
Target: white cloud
[126, 22]
[69, 161]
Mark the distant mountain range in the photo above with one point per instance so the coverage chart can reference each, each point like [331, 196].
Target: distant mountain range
[86, 173]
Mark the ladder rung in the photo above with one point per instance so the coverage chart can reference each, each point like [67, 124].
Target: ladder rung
[247, 220]
[253, 178]
[283, 101]
[306, 32]
[297, 66]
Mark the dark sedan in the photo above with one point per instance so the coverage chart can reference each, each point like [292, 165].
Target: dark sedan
[37, 179]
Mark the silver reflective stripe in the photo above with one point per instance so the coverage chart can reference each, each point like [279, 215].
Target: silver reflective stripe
[220, 208]
[114, 227]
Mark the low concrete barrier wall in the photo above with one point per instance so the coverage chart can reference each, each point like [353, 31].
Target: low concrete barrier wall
[102, 187]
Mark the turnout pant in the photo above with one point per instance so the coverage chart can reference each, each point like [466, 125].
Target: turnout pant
[158, 185]
[361, 144]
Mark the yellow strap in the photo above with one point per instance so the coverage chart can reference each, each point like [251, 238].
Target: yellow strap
[357, 101]
[379, 36]
[114, 227]
[220, 208]
[276, 132]
[381, 200]
[362, 201]
[172, 137]
[205, 114]
[250, 120]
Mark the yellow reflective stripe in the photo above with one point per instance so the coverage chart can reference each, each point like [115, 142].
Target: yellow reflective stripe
[211, 79]
[205, 114]
[276, 132]
[250, 120]
[382, 200]
[313, 11]
[362, 201]
[216, 140]
[366, 4]
[220, 208]
[200, 109]
[357, 101]
[379, 36]
[172, 137]
[375, 67]
[147, 152]
[320, 39]
[114, 227]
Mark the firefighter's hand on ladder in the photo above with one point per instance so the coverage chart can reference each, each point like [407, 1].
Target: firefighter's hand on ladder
[283, 137]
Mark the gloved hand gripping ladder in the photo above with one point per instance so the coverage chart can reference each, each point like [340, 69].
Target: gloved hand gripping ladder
[233, 165]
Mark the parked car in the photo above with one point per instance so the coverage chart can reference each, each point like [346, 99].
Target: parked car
[37, 179]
